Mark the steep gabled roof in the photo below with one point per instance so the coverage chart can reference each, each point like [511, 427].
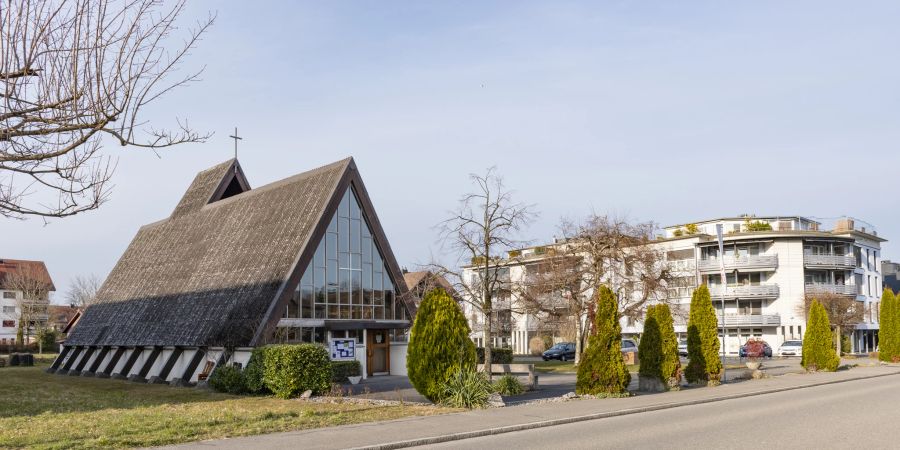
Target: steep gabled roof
[219, 273]
[35, 269]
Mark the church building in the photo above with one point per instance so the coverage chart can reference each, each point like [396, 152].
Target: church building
[303, 259]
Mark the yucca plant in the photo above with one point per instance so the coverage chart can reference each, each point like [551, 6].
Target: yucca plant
[508, 385]
[467, 389]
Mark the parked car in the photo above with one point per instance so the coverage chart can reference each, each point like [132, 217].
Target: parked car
[563, 351]
[682, 347]
[767, 351]
[791, 348]
[628, 345]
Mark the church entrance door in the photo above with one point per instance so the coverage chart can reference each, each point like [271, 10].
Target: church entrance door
[378, 353]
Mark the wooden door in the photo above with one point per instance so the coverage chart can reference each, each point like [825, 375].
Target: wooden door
[378, 352]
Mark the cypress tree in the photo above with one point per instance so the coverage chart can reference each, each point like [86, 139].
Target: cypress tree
[818, 348]
[602, 369]
[670, 366]
[887, 327]
[439, 345]
[650, 348]
[703, 340]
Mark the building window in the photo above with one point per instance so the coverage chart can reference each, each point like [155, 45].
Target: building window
[9, 295]
[347, 278]
[9, 309]
[9, 324]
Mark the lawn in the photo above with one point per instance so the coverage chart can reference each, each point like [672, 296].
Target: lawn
[39, 410]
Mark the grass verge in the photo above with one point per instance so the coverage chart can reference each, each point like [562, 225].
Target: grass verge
[39, 410]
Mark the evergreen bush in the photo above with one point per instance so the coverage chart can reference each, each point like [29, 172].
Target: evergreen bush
[498, 355]
[439, 345]
[340, 370]
[650, 348]
[670, 364]
[289, 370]
[818, 344]
[602, 369]
[253, 373]
[228, 379]
[888, 337]
[846, 344]
[703, 340]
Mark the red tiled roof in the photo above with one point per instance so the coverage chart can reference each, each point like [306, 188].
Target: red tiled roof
[31, 268]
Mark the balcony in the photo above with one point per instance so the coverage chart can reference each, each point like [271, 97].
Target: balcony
[745, 291]
[827, 288]
[751, 320]
[826, 260]
[753, 262]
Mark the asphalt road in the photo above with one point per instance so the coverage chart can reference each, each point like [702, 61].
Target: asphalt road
[856, 414]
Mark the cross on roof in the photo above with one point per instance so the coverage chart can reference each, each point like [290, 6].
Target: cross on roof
[236, 139]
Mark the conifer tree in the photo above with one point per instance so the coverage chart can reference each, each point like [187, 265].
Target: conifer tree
[670, 366]
[703, 340]
[439, 345]
[602, 369]
[650, 349]
[889, 327]
[818, 348]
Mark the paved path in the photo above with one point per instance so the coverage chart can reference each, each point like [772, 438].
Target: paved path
[425, 429]
[857, 414]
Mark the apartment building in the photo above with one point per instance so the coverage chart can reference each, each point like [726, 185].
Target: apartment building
[772, 264]
[15, 295]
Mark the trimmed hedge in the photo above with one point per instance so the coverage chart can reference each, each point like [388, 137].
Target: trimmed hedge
[888, 350]
[703, 340]
[340, 370]
[439, 346]
[228, 379]
[818, 343]
[253, 374]
[289, 370]
[602, 369]
[498, 355]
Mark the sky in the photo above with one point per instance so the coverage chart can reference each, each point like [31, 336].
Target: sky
[671, 112]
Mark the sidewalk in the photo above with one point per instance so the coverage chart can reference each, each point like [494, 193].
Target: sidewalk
[427, 430]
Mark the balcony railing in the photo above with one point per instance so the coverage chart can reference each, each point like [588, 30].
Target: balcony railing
[745, 291]
[739, 263]
[827, 288]
[811, 260]
[751, 320]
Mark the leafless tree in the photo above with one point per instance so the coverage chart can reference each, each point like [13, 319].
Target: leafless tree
[83, 291]
[485, 225]
[74, 73]
[844, 311]
[32, 300]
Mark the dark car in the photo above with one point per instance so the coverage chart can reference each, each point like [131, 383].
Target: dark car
[563, 351]
[767, 351]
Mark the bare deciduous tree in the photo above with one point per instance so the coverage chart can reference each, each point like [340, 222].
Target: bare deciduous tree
[844, 311]
[73, 73]
[484, 226]
[83, 291]
[32, 300]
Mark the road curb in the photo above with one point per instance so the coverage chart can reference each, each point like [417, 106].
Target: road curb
[603, 415]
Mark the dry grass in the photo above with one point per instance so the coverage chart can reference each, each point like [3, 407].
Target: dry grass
[39, 410]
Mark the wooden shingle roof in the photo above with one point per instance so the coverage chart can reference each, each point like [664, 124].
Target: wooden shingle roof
[215, 274]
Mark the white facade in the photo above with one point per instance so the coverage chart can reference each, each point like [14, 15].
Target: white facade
[769, 273]
[9, 316]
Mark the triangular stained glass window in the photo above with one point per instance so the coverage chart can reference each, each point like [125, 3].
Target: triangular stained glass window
[347, 277]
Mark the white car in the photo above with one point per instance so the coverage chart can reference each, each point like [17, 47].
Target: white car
[791, 348]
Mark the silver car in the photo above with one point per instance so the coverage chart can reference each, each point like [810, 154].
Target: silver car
[791, 348]
[682, 347]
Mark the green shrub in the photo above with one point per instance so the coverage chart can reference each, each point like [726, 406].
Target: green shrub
[228, 379]
[670, 365]
[650, 348]
[818, 344]
[703, 340]
[289, 370]
[889, 328]
[340, 370]
[466, 389]
[508, 385]
[602, 369]
[253, 373]
[498, 355]
[439, 345]
[757, 225]
[47, 336]
[846, 344]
